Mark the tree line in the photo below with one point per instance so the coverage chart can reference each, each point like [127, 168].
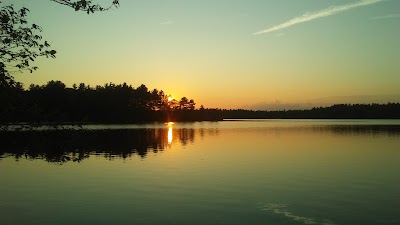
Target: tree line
[337, 111]
[110, 103]
[54, 102]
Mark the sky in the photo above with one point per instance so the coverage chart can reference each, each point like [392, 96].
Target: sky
[253, 54]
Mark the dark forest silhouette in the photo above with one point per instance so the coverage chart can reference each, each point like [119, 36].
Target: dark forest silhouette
[111, 103]
[337, 111]
[122, 103]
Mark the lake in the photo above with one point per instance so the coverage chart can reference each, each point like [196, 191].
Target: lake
[230, 172]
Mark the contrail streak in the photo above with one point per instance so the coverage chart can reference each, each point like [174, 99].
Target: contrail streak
[323, 13]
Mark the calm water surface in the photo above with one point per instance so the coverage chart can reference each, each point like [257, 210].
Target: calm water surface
[230, 172]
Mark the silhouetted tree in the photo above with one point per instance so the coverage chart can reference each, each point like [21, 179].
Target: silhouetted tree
[20, 44]
[184, 103]
[162, 102]
[192, 104]
[86, 5]
[142, 98]
[174, 104]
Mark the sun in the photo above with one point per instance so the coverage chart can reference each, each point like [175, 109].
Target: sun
[170, 98]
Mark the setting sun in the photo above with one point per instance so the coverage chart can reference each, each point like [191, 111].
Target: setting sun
[284, 112]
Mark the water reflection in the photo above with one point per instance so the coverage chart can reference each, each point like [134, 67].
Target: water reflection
[375, 130]
[170, 135]
[76, 145]
[282, 210]
[169, 124]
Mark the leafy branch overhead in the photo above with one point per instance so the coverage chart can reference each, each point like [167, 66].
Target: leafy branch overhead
[86, 5]
[20, 43]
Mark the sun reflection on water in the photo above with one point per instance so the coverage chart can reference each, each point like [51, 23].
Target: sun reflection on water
[169, 124]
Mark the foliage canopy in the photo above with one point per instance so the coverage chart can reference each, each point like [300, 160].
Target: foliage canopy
[86, 5]
[20, 44]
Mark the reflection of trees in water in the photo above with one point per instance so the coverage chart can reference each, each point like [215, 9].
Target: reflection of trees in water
[75, 145]
[340, 130]
[356, 130]
[210, 132]
[186, 135]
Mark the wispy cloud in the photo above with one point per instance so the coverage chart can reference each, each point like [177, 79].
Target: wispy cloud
[387, 16]
[316, 15]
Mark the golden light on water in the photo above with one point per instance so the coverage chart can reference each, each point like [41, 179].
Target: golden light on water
[169, 124]
[169, 134]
